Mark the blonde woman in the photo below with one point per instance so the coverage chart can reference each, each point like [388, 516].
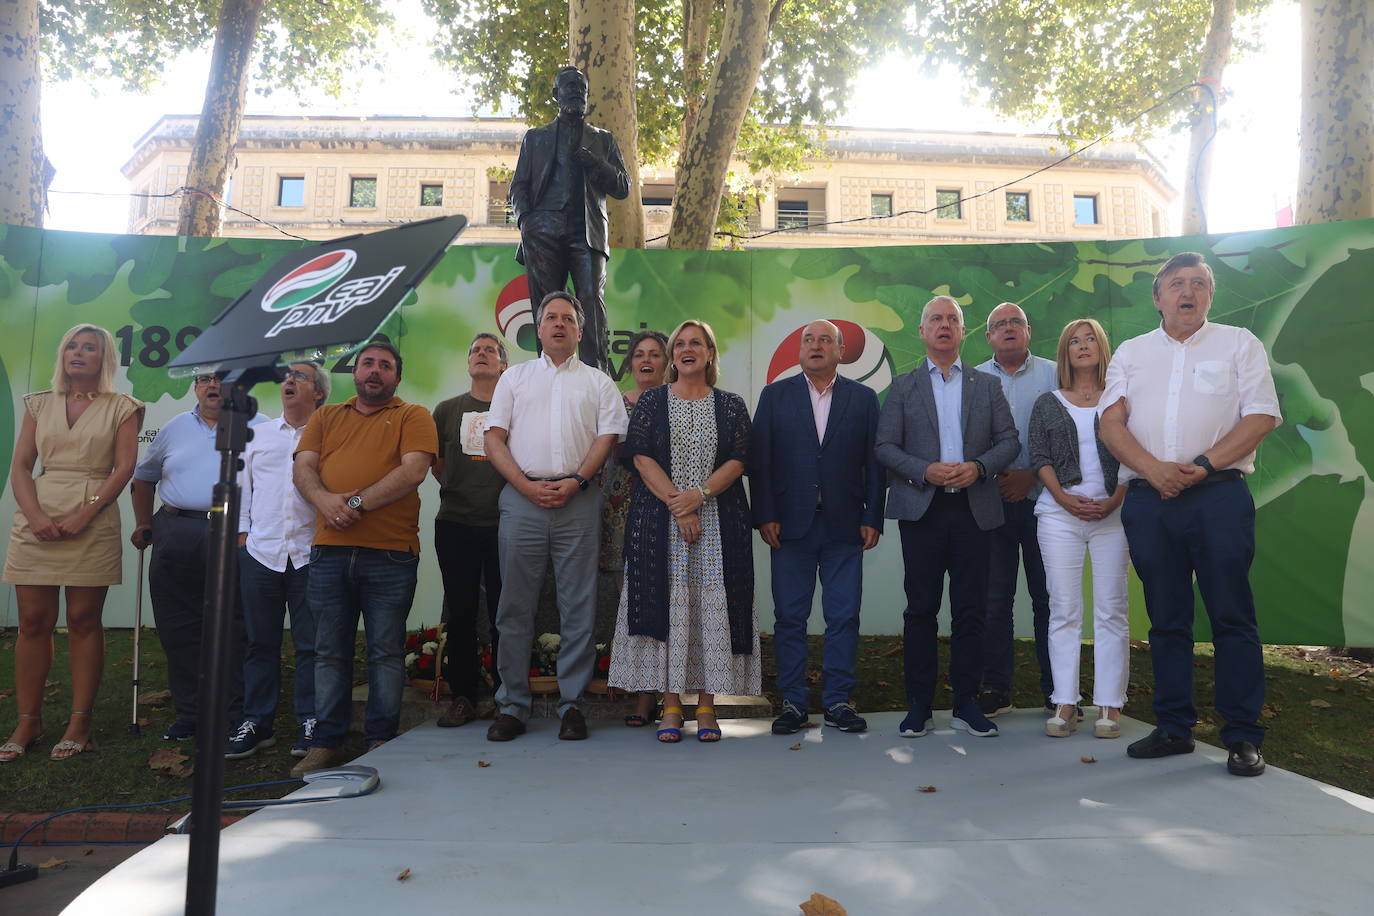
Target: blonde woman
[1078, 510]
[66, 531]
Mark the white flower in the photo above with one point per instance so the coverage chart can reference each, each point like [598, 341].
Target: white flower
[430, 648]
[548, 642]
[410, 659]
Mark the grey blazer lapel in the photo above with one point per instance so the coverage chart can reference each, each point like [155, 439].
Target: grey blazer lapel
[966, 401]
[925, 392]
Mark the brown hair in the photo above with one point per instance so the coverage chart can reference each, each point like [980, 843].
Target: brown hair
[1178, 262]
[1061, 354]
[712, 364]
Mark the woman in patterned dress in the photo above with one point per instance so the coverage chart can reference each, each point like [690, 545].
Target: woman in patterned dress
[686, 617]
[66, 532]
[648, 363]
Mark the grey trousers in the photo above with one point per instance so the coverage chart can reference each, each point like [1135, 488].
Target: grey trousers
[527, 538]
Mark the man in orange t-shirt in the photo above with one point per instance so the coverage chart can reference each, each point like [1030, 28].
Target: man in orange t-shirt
[359, 464]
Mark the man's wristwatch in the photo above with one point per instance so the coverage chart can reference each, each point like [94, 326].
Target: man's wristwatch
[1202, 462]
[582, 482]
[356, 502]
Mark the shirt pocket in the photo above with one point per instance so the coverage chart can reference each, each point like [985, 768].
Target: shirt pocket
[1213, 376]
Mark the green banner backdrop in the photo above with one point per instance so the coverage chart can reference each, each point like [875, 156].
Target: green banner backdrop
[1302, 291]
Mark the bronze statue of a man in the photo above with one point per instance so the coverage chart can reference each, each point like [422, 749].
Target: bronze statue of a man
[562, 177]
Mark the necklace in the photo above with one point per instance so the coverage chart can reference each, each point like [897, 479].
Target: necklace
[83, 395]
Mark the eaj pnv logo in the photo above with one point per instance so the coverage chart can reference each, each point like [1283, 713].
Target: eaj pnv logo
[317, 292]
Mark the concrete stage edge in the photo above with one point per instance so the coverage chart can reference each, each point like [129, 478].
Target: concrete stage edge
[618, 824]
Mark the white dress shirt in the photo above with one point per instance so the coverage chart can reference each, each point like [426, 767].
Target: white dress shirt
[1182, 397]
[820, 405]
[279, 521]
[949, 409]
[553, 414]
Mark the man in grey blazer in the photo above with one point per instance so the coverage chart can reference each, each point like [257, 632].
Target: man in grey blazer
[944, 433]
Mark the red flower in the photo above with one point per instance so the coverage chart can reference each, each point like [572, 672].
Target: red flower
[534, 672]
[487, 660]
[412, 641]
[431, 634]
[425, 662]
[603, 664]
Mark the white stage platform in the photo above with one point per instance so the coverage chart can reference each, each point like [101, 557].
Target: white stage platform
[618, 824]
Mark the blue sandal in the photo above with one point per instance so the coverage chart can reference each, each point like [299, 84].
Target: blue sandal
[707, 735]
[669, 734]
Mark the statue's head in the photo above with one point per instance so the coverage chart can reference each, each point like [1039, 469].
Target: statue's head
[570, 91]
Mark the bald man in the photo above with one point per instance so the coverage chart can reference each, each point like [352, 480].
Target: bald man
[818, 504]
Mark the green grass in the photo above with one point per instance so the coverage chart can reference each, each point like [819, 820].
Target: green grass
[1333, 743]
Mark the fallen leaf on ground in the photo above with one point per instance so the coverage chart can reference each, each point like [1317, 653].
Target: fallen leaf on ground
[483, 763]
[1087, 760]
[884, 684]
[155, 698]
[52, 863]
[403, 875]
[170, 761]
[895, 650]
[86, 852]
[812, 725]
[1332, 688]
[821, 905]
[142, 722]
[52, 683]
[926, 789]
[1322, 704]
[795, 747]
[7, 692]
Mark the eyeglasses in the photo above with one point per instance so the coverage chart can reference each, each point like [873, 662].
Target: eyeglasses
[205, 379]
[1007, 323]
[299, 376]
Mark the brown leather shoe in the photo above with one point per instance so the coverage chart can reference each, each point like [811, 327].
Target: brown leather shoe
[318, 758]
[459, 712]
[505, 728]
[574, 726]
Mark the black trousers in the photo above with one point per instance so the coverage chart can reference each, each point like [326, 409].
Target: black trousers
[468, 559]
[944, 540]
[176, 586]
[556, 248]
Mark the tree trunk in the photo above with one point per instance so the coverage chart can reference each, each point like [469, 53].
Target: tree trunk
[696, 37]
[21, 133]
[217, 133]
[1336, 143]
[1216, 53]
[706, 160]
[601, 38]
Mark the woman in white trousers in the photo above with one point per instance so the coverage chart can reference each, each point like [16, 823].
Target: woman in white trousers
[1080, 510]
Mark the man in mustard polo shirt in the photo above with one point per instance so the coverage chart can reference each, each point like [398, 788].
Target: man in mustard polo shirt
[359, 464]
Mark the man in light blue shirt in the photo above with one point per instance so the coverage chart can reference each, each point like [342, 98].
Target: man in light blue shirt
[1024, 378]
[182, 467]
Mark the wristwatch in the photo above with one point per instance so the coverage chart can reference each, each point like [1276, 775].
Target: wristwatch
[582, 482]
[1202, 462]
[356, 502]
[705, 491]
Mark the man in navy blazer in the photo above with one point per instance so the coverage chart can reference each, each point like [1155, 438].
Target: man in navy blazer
[818, 503]
[944, 433]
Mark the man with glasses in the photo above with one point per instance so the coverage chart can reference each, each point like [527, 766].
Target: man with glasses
[182, 466]
[276, 525]
[1024, 378]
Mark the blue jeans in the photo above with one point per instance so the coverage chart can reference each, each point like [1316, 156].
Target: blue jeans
[379, 585]
[1013, 545]
[267, 597]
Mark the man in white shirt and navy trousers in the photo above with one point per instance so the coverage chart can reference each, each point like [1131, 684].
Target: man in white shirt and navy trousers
[1185, 408]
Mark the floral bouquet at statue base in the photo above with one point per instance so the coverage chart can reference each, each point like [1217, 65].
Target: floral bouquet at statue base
[544, 666]
[424, 661]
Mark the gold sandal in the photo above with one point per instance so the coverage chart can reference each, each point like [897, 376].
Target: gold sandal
[12, 750]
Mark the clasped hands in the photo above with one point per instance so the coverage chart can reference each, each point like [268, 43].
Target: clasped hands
[46, 529]
[333, 508]
[550, 494]
[952, 473]
[684, 506]
[1172, 478]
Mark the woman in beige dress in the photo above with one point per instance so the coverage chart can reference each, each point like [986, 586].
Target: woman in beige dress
[66, 532]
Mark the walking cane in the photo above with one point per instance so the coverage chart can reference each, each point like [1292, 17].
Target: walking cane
[138, 626]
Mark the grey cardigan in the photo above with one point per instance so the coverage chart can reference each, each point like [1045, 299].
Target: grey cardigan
[1054, 442]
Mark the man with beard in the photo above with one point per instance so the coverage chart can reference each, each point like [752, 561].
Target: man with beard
[182, 466]
[359, 464]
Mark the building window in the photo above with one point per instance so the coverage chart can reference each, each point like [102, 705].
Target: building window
[1018, 206]
[362, 192]
[793, 214]
[1085, 209]
[880, 205]
[656, 201]
[948, 204]
[290, 192]
[431, 195]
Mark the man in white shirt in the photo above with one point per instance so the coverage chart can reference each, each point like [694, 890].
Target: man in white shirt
[553, 423]
[276, 526]
[1184, 409]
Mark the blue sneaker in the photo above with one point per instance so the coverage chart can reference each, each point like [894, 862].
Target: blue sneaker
[792, 720]
[304, 736]
[969, 718]
[916, 724]
[248, 740]
[180, 730]
[844, 717]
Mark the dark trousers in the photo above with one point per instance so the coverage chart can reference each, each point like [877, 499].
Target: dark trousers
[1013, 545]
[556, 248]
[1208, 531]
[944, 540]
[468, 560]
[176, 587]
[794, 567]
[268, 596]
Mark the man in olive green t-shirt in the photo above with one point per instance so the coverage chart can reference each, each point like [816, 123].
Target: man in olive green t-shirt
[465, 528]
